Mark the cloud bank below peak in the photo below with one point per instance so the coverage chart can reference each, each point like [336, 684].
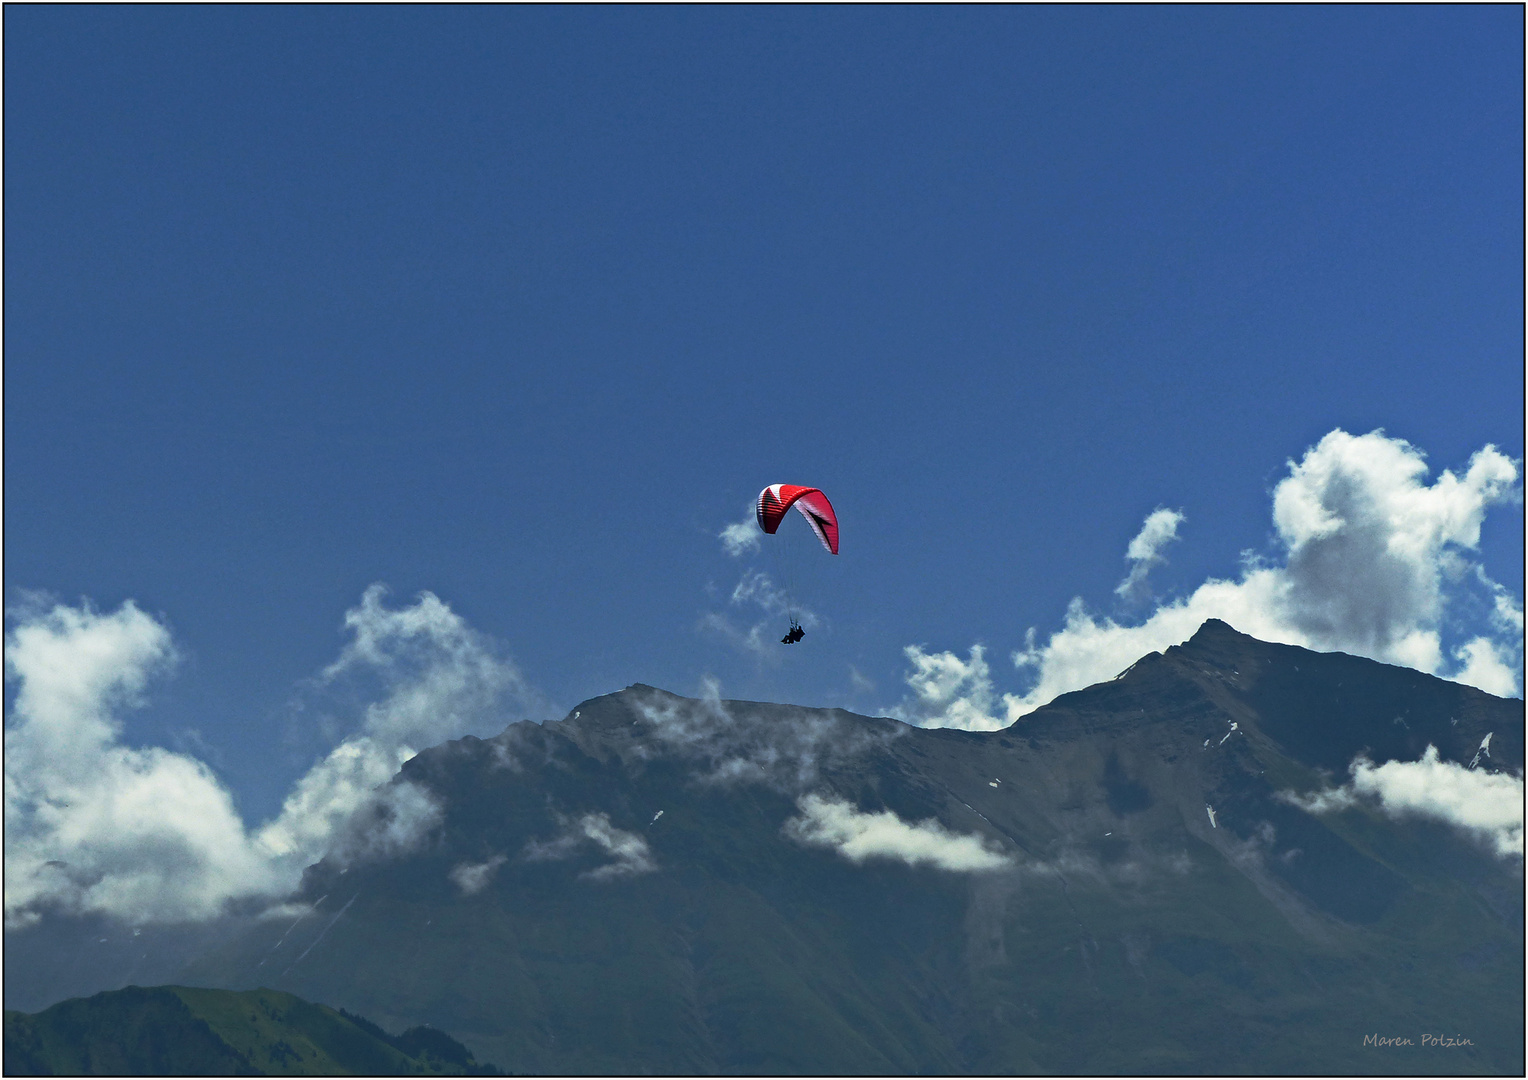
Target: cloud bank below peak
[859, 836]
[1371, 560]
[628, 853]
[1488, 805]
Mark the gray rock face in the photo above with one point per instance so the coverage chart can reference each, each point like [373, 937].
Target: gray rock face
[1123, 881]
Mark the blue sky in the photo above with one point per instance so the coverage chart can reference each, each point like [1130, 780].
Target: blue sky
[522, 307]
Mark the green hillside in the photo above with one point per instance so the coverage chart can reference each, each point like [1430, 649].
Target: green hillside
[183, 1031]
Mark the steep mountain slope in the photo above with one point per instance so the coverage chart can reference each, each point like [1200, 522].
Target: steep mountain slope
[180, 1031]
[1120, 882]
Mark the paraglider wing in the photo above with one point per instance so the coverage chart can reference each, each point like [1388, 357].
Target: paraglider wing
[776, 499]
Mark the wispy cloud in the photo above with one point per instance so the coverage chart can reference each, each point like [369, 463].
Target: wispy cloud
[148, 834]
[784, 749]
[858, 836]
[473, 878]
[436, 678]
[741, 537]
[1145, 551]
[756, 589]
[628, 852]
[1370, 559]
[755, 638]
[1486, 804]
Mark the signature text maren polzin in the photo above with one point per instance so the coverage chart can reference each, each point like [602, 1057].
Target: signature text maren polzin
[1427, 1040]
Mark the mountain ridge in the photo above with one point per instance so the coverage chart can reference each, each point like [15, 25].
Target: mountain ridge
[1125, 880]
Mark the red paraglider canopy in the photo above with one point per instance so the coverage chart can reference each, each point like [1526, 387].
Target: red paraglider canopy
[776, 499]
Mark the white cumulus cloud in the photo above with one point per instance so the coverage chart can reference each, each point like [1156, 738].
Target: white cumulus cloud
[950, 692]
[857, 836]
[94, 826]
[1488, 805]
[90, 824]
[1369, 557]
[438, 679]
[1488, 665]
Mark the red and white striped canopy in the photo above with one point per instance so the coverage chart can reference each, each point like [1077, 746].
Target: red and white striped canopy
[776, 499]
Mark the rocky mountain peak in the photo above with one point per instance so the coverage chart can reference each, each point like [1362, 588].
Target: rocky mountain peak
[1172, 859]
